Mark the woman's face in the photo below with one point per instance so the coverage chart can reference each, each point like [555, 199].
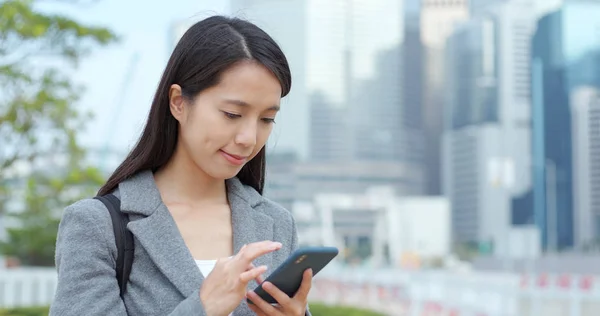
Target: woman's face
[225, 126]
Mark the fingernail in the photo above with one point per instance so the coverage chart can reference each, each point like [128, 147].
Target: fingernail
[277, 245]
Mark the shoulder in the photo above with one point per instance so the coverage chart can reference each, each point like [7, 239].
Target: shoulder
[85, 223]
[86, 210]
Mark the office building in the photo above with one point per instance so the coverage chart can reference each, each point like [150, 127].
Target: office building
[486, 145]
[377, 227]
[438, 19]
[562, 61]
[585, 113]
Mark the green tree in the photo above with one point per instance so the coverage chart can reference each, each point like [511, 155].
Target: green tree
[39, 120]
[33, 240]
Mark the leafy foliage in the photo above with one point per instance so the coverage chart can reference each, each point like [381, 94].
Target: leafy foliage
[33, 240]
[25, 311]
[41, 161]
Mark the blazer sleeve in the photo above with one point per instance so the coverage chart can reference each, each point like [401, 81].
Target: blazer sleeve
[294, 246]
[85, 262]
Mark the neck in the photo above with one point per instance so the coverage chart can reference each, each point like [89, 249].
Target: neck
[181, 181]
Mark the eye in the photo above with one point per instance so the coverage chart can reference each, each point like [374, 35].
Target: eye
[268, 120]
[231, 115]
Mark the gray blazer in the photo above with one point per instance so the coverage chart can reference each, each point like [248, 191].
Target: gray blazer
[164, 279]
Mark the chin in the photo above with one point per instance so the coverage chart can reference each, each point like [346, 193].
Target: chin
[224, 173]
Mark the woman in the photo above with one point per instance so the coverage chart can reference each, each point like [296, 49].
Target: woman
[192, 187]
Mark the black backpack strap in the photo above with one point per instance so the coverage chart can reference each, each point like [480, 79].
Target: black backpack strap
[123, 239]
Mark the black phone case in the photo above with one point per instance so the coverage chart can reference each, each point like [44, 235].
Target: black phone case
[288, 276]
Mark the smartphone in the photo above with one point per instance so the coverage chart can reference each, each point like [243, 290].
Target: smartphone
[288, 276]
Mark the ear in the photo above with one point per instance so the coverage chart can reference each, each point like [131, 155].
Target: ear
[176, 102]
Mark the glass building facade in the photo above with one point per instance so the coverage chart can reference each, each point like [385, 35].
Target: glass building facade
[564, 56]
[471, 90]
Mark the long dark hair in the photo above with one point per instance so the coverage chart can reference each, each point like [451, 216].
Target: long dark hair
[207, 49]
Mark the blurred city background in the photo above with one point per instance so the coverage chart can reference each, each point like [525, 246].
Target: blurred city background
[449, 148]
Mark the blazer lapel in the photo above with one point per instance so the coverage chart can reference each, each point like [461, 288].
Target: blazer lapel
[249, 225]
[160, 237]
[158, 234]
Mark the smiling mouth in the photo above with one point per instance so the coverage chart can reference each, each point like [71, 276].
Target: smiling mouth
[236, 156]
[233, 159]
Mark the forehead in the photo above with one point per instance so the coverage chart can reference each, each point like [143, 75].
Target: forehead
[250, 83]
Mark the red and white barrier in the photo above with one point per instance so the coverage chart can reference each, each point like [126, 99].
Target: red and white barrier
[394, 292]
[451, 294]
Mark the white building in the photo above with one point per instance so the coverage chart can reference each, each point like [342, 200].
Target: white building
[585, 107]
[386, 227]
[486, 144]
[480, 181]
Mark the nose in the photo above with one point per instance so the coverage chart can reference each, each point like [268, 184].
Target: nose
[246, 135]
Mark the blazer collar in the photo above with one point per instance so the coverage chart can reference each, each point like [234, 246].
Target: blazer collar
[158, 234]
[139, 194]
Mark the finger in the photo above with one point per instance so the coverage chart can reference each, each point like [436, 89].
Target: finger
[302, 293]
[255, 250]
[282, 299]
[245, 277]
[259, 279]
[262, 305]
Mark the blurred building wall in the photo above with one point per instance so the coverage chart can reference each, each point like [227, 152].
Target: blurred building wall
[486, 146]
[439, 19]
[565, 50]
[585, 107]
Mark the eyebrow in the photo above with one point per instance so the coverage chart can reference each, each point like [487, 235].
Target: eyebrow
[245, 104]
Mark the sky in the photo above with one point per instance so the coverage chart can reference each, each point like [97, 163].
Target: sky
[119, 91]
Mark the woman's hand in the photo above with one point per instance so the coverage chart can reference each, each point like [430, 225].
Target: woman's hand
[225, 287]
[287, 306]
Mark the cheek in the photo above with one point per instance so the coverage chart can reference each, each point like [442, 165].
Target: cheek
[201, 132]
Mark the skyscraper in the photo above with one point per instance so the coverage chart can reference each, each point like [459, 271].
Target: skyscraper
[585, 111]
[562, 45]
[412, 87]
[486, 147]
[439, 19]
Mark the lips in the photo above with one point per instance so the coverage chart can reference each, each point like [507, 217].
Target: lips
[236, 156]
[233, 159]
